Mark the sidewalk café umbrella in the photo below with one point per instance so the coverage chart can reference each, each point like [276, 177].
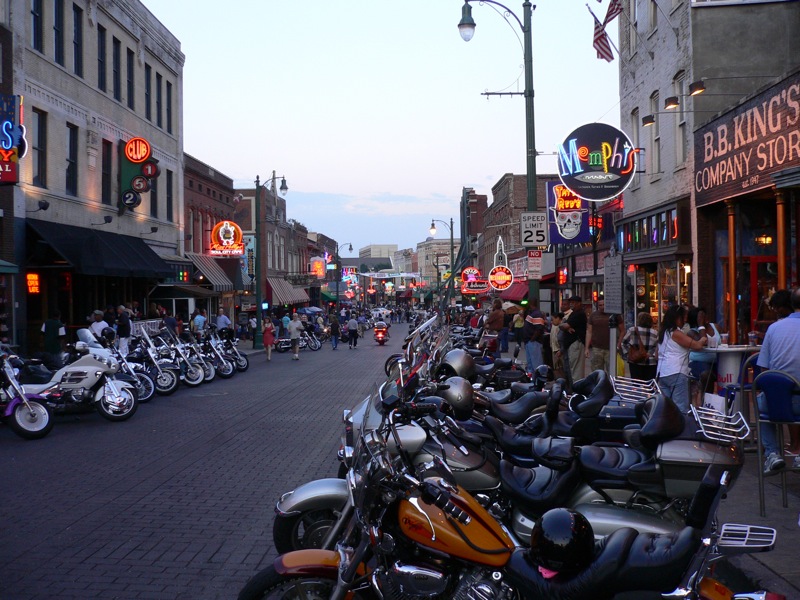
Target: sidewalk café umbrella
[309, 310]
[511, 308]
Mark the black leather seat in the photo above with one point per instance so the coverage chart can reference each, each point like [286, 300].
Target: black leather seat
[657, 562]
[497, 397]
[509, 438]
[591, 394]
[485, 371]
[609, 463]
[538, 489]
[520, 409]
[503, 363]
[518, 388]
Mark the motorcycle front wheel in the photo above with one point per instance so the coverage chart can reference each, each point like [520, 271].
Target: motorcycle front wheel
[194, 376]
[167, 382]
[226, 369]
[242, 362]
[108, 407]
[145, 387]
[305, 531]
[269, 584]
[313, 344]
[31, 422]
[209, 372]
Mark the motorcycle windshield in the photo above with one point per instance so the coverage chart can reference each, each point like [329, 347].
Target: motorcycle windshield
[84, 335]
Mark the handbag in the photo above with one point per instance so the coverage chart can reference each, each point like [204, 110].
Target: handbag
[637, 353]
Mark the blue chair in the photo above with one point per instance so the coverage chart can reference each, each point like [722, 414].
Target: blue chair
[778, 387]
[743, 386]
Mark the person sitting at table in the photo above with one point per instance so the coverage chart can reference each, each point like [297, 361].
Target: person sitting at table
[701, 364]
[673, 356]
[779, 351]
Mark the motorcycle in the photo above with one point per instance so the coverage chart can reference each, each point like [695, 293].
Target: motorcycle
[172, 351]
[27, 414]
[307, 340]
[228, 344]
[415, 533]
[211, 352]
[104, 346]
[143, 357]
[86, 383]
[381, 333]
[196, 355]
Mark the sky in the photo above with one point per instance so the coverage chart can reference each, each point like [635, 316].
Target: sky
[373, 110]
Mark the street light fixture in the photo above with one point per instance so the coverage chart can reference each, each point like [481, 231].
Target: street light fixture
[339, 271]
[258, 342]
[467, 29]
[450, 282]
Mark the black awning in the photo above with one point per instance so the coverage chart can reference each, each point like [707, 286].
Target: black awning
[101, 253]
[183, 291]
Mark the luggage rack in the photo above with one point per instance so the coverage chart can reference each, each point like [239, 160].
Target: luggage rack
[634, 390]
[719, 427]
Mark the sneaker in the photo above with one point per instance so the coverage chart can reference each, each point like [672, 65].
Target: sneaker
[796, 462]
[773, 463]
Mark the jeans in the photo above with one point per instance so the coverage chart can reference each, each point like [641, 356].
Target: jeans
[767, 432]
[334, 341]
[353, 337]
[533, 356]
[676, 387]
[504, 339]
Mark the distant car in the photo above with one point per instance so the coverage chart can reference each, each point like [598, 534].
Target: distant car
[380, 314]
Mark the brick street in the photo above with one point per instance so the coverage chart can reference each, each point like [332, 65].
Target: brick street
[177, 502]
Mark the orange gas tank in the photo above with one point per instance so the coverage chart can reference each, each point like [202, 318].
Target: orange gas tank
[428, 526]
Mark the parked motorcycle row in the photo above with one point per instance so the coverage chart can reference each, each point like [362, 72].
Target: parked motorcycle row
[96, 376]
[469, 481]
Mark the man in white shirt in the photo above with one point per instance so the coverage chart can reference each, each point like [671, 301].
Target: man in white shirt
[295, 328]
[223, 321]
[98, 324]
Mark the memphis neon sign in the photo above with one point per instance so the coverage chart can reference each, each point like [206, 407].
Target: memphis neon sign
[597, 162]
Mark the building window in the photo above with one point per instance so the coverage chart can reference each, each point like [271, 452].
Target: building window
[58, 31]
[635, 140]
[116, 60]
[681, 140]
[169, 107]
[71, 184]
[653, 15]
[148, 88]
[36, 25]
[154, 197]
[168, 216]
[101, 58]
[77, 40]
[159, 121]
[655, 138]
[38, 125]
[129, 75]
[105, 191]
[270, 251]
[633, 16]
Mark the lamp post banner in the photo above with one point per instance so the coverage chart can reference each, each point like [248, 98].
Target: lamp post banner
[597, 162]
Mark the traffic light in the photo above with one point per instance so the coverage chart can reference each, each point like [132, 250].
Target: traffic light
[137, 169]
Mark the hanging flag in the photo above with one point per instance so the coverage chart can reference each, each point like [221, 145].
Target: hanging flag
[601, 42]
[614, 10]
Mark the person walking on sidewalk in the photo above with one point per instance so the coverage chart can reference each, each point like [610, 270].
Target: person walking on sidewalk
[532, 332]
[352, 331]
[295, 330]
[574, 327]
[779, 351]
[269, 337]
[336, 331]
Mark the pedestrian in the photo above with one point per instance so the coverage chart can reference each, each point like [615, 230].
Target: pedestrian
[517, 323]
[223, 322]
[574, 327]
[123, 329]
[555, 346]
[494, 323]
[673, 356]
[335, 331]
[701, 364]
[532, 333]
[200, 321]
[505, 330]
[779, 352]
[269, 337]
[171, 323]
[352, 331]
[98, 323]
[54, 333]
[641, 335]
[285, 320]
[295, 330]
[110, 315]
[179, 324]
[252, 323]
[598, 337]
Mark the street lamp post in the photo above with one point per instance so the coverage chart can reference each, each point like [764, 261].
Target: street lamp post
[451, 281]
[258, 342]
[339, 271]
[467, 29]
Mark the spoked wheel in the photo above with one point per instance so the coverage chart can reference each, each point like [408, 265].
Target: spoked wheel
[117, 409]
[145, 387]
[31, 421]
[242, 362]
[226, 369]
[313, 344]
[167, 382]
[209, 372]
[271, 585]
[391, 362]
[193, 376]
[304, 531]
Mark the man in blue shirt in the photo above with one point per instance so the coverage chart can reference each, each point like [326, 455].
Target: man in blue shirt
[779, 351]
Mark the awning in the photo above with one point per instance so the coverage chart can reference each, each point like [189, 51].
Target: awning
[284, 293]
[102, 253]
[8, 268]
[182, 291]
[516, 292]
[213, 273]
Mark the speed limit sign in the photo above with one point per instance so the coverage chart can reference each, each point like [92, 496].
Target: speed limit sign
[534, 230]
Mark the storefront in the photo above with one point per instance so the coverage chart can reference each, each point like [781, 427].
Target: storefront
[746, 182]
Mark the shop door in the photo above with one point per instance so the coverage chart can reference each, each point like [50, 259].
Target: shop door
[758, 280]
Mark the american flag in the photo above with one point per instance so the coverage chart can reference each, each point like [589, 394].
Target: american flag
[601, 42]
[614, 10]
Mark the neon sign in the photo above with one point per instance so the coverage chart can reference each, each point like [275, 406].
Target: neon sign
[32, 280]
[501, 278]
[226, 239]
[597, 162]
[137, 150]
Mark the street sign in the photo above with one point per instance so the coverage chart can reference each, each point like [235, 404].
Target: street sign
[534, 229]
[131, 199]
[534, 264]
[140, 183]
[612, 283]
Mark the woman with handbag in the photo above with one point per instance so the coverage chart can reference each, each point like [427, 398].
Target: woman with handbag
[673, 356]
[639, 347]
